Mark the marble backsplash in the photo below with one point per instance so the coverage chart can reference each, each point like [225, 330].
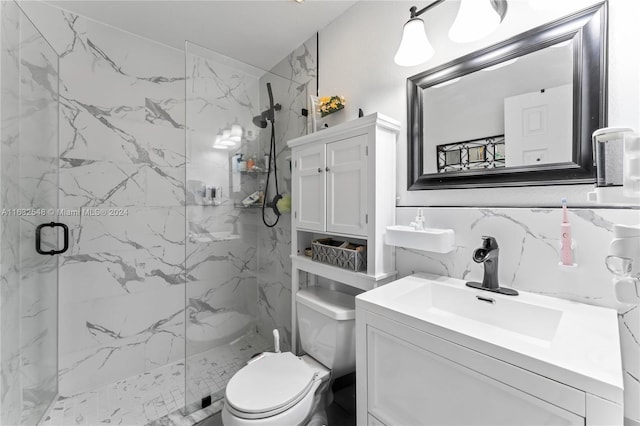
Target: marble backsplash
[529, 241]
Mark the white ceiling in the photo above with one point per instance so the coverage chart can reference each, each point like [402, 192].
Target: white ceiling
[257, 32]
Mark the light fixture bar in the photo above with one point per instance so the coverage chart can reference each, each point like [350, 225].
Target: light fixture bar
[415, 12]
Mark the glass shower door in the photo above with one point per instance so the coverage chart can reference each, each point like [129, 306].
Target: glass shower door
[28, 198]
[228, 317]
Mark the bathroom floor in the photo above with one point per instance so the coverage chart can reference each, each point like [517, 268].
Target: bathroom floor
[147, 397]
[342, 411]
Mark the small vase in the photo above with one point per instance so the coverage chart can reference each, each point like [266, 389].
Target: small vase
[331, 119]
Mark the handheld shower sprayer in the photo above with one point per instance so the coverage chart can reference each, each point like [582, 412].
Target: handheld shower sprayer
[261, 121]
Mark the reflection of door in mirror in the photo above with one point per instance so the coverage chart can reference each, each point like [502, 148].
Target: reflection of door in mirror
[537, 126]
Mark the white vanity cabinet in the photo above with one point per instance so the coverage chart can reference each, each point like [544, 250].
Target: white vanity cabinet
[344, 186]
[420, 360]
[412, 380]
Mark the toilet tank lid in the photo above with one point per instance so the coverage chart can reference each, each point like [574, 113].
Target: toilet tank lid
[334, 304]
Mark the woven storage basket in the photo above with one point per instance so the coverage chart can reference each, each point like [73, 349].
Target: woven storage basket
[328, 251]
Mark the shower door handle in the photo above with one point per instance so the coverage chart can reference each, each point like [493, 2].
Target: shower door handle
[65, 233]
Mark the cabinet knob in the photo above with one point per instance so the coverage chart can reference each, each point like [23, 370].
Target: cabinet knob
[319, 170]
[326, 168]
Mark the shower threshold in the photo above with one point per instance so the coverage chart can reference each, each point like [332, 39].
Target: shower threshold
[159, 397]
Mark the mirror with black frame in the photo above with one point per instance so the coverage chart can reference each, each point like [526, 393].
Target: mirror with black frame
[518, 113]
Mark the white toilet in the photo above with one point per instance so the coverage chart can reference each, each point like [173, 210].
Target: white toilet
[282, 389]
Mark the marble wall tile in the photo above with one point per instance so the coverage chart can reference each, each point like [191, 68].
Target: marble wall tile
[127, 229]
[10, 386]
[28, 290]
[529, 241]
[99, 347]
[223, 241]
[87, 183]
[164, 186]
[121, 144]
[292, 80]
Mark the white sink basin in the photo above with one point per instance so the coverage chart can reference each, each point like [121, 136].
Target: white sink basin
[577, 343]
[428, 239]
[464, 304]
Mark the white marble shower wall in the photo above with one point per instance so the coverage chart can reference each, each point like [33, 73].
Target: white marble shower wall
[122, 167]
[274, 249]
[529, 241]
[28, 161]
[221, 239]
[10, 385]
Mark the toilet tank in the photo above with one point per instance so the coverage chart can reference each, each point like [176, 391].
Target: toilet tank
[326, 322]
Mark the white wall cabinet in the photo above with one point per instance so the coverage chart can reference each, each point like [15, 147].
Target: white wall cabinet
[344, 186]
[330, 190]
[309, 187]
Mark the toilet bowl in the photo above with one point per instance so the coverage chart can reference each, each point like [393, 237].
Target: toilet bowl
[278, 389]
[282, 389]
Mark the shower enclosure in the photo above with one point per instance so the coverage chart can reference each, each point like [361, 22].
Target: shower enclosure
[170, 282]
[223, 260]
[28, 197]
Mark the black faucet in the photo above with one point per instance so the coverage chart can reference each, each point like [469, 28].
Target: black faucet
[488, 254]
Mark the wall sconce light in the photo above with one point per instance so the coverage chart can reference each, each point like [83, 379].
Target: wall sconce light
[475, 20]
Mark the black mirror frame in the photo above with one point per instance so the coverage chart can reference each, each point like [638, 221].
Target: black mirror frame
[588, 30]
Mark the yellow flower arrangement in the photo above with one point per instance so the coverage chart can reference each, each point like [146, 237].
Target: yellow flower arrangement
[329, 104]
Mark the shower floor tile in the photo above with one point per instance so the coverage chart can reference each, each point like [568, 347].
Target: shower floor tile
[156, 396]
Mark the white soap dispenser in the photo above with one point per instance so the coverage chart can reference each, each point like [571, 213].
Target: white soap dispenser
[418, 224]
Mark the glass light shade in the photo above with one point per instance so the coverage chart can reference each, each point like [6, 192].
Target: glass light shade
[236, 133]
[414, 47]
[222, 142]
[476, 19]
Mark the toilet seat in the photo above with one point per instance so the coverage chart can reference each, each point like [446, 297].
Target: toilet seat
[269, 385]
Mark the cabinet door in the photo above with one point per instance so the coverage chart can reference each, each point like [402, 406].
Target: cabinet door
[347, 186]
[309, 187]
[410, 385]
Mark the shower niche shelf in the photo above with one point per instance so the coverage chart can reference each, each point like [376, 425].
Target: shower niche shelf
[239, 205]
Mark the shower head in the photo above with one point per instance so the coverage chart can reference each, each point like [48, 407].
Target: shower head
[260, 120]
